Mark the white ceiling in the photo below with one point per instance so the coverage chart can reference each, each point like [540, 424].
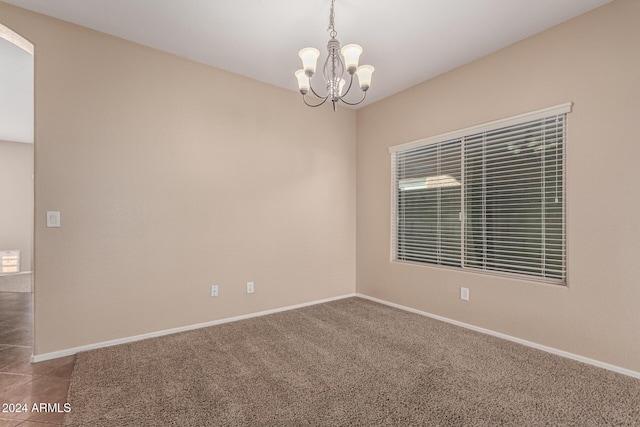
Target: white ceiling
[408, 41]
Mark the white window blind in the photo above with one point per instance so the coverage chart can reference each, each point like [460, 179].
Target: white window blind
[428, 224]
[488, 198]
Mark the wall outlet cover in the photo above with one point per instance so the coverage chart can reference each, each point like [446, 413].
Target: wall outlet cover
[53, 219]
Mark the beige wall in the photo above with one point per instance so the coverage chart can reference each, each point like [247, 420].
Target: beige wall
[592, 61]
[172, 176]
[16, 206]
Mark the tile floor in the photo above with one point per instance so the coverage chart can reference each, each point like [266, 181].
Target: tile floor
[22, 382]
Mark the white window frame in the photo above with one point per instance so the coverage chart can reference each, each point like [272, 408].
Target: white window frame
[461, 134]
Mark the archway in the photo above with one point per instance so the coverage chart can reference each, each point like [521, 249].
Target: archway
[17, 184]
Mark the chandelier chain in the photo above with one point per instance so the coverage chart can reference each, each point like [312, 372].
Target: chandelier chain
[332, 25]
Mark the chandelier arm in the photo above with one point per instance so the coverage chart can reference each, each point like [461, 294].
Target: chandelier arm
[316, 93]
[316, 105]
[355, 103]
[349, 88]
[325, 68]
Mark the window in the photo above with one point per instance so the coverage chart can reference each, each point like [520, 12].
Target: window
[10, 261]
[488, 198]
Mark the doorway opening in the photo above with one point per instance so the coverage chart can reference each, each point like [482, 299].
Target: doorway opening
[17, 188]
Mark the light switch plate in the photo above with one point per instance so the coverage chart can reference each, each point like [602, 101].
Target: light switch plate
[53, 219]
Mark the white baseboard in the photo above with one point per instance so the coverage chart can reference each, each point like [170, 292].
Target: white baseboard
[74, 350]
[15, 274]
[551, 350]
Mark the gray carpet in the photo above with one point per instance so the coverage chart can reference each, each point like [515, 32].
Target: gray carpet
[347, 362]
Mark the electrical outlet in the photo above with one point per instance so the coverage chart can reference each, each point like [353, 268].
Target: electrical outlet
[249, 287]
[464, 294]
[214, 290]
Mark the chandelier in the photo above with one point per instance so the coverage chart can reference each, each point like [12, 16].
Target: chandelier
[334, 69]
